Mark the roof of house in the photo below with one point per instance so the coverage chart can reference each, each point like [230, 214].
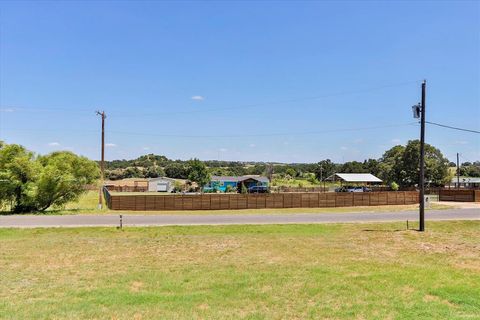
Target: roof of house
[355, 177]
[239, 178]
[466, 180]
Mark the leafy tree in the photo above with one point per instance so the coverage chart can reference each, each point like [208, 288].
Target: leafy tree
[401, 164]
[198, 172]
[353, 167]
[470, 170]
[324, 169]
[62, 178]
[153, 172]
[177, 171]
[17, 173]
[32, 183]
[132, 172]
[391, 165]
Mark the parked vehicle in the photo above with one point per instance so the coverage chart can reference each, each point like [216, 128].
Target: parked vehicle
[258, 189]
[353, 189]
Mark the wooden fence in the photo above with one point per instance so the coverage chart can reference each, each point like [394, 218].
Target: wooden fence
[465, 195]
[127, 188]
[258, 201]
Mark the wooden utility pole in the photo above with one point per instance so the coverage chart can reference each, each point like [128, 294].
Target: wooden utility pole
[102, 162]
[422, 160]
[458, 172]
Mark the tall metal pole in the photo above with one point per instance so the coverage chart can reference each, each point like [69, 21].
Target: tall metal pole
[422, 161]
[102, 162]
[458, 172]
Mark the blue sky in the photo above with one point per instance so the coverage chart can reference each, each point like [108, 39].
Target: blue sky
[265, 81]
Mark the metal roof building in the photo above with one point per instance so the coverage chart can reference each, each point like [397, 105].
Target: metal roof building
[354, 178]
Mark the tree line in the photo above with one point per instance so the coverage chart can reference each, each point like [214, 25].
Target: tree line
[30, 182]
[397, 165]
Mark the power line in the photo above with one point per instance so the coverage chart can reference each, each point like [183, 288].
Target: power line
[12, 109]
[453, 128]
[272, 102]
[271, 134]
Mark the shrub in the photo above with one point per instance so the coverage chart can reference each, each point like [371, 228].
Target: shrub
[394, 186]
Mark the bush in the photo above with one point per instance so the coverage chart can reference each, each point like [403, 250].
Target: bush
[244, 189]
[230, 189]
[394, 186]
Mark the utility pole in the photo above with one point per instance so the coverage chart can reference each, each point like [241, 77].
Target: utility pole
[102, 163]
[458, 172]
[422, 160]
[321, 178]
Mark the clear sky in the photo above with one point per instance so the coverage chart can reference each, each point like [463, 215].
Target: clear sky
[265, 81]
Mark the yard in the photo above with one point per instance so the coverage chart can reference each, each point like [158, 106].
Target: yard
[361, 271]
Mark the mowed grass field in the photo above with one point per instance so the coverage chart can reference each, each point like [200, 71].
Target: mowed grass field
[349, 271]
[88, 204]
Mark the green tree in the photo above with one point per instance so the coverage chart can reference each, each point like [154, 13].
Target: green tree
[401, 164]
[153, 172]
[62, 178]
[177, 171]
[324, 169]
[198, 172]
[353, 167]
[391, 165]
[17, 173]
[32, 183]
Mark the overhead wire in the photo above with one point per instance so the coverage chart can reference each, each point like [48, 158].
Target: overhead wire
[451, 127]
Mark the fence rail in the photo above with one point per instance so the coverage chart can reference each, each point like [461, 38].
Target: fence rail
[258, 201]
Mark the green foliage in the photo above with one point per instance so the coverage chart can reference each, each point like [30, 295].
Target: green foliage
[470, 169]
[176, 171]
[324, 169]
[401, 164]
[243, 189]
[394, 186]
[198, 172]
[230, 189]
[32, 183]
[353, 167]
[154, 172]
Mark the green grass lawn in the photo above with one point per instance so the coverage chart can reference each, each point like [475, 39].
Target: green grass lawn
[349, 271]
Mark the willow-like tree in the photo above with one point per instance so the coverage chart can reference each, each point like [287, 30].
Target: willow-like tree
[30, 183]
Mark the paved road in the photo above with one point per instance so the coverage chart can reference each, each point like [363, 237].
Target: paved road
[30, 221]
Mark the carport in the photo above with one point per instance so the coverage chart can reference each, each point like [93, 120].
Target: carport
[354, 178]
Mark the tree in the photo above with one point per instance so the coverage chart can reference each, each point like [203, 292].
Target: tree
[177, 171]
[62, 178]
[353, 167]
[401, 164]
[391, 165]
[153, 172]
[17, 172]
[198, 172]
[33, 183]
[324, 169]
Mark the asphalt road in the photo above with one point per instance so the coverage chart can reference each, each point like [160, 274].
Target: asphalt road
[34, 221]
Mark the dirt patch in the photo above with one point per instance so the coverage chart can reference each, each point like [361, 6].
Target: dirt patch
[136, 286]
[430, 298]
